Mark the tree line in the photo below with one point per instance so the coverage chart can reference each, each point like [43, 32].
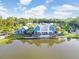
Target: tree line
[10, 24]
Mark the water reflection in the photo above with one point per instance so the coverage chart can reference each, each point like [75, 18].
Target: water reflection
[40, 42]
[61, 48]
[37, 42]
[5, 41]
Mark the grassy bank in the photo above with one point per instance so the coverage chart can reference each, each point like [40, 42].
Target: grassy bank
[71, 35]
[18, 36]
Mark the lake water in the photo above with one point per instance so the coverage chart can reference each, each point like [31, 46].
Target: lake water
[40, 49]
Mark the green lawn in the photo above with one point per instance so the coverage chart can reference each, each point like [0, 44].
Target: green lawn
[71, 35]
[18, 36]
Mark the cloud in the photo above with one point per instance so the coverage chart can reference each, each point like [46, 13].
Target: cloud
[25, 2]
[65, 11]
[21, 6]
[3, 10]
[36, 11]
[49, 1]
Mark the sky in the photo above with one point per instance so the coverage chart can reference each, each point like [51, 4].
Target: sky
[39, 8]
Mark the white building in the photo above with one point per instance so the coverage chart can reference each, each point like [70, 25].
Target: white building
[44, 29]
[21, 30]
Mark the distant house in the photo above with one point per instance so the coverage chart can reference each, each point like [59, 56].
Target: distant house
[44, 30]
[21, 30]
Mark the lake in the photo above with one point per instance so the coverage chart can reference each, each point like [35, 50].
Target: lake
[59, 48]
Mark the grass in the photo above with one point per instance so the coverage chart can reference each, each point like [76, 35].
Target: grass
[20, 36]
[71, 35]
[4, 41]
[17, 36]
